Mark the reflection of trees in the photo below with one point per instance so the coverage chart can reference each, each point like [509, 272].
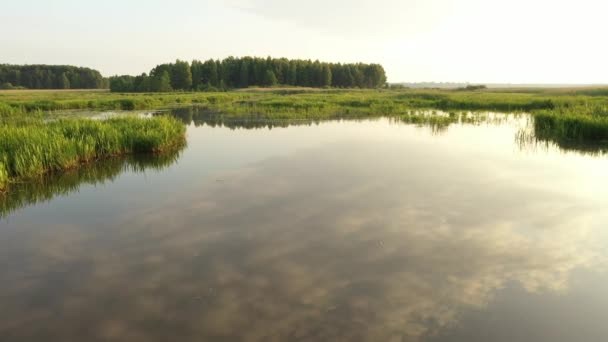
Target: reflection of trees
[438, 122]
[529, 137]
[200, 116]
[62, 183]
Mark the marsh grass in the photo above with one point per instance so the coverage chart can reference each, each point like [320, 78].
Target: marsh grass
[302, 103]
[562, 114]
[572, 125]
[29, 149]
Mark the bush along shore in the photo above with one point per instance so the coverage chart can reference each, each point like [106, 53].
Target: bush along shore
[31, 148]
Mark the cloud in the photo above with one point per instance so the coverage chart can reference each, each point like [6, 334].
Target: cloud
[353, 18]
[285, 251]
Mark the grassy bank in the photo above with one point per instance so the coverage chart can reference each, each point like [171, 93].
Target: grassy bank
[573, 125]
[573, 113]
[30, 148]
[294, 102]
[302, 102]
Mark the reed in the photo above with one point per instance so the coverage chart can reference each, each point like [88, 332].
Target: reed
[572, 125]
[30, 149]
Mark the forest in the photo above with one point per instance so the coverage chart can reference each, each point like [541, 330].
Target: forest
[232, 72]
[50, 77]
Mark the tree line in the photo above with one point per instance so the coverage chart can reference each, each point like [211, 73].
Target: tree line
[233, 72]
[50, 77]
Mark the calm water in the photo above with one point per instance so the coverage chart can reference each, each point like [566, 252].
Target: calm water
[342, 230]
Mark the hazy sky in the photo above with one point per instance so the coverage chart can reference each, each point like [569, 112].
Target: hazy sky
[517, 41]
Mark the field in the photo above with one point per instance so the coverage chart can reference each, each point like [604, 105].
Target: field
[304, 102]
[31, 144]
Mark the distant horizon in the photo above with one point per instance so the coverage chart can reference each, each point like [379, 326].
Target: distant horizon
[507, 84]
[447, 84]
[477, 41]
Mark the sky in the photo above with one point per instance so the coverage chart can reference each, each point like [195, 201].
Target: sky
[478, 41]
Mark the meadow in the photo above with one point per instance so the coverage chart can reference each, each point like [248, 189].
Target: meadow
[306, 102]
[33, 141]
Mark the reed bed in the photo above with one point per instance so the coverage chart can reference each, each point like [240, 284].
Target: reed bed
[32, 148]
[303, 103]
[575, 114]
[573, 124]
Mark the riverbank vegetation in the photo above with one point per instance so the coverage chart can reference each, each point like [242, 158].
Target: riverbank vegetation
[572, 125]
[231, 73]
[294, 102]
[574, 114]
[31, 147]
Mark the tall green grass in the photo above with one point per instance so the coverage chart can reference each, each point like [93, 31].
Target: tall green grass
[572, 125]
[30, 149]
[23, 102]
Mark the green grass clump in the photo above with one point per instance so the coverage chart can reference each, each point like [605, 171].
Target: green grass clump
[572, 125]
[33, 148]
[3, 175]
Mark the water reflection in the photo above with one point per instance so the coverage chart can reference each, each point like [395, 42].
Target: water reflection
[437, 121]
[332, 243]
[354, 231]
[49, 186]
[528, 136]
[199, 116]
[533, 139]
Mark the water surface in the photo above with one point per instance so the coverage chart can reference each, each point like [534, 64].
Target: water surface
[370, 230]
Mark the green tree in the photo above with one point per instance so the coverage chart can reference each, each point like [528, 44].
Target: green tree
[165, 82]
[181, 76]
[48, 81]
[292, 73]
[161, 82]
[326, 76]
[122, 84]
[270, 79]
[349, 79]
[64, 82]
[49, 76]
[224, 74]
[259, 70]
[244, 74]
[75, 81]
[142, 83]
[16, 79]
[214, 78]
[197, 74]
